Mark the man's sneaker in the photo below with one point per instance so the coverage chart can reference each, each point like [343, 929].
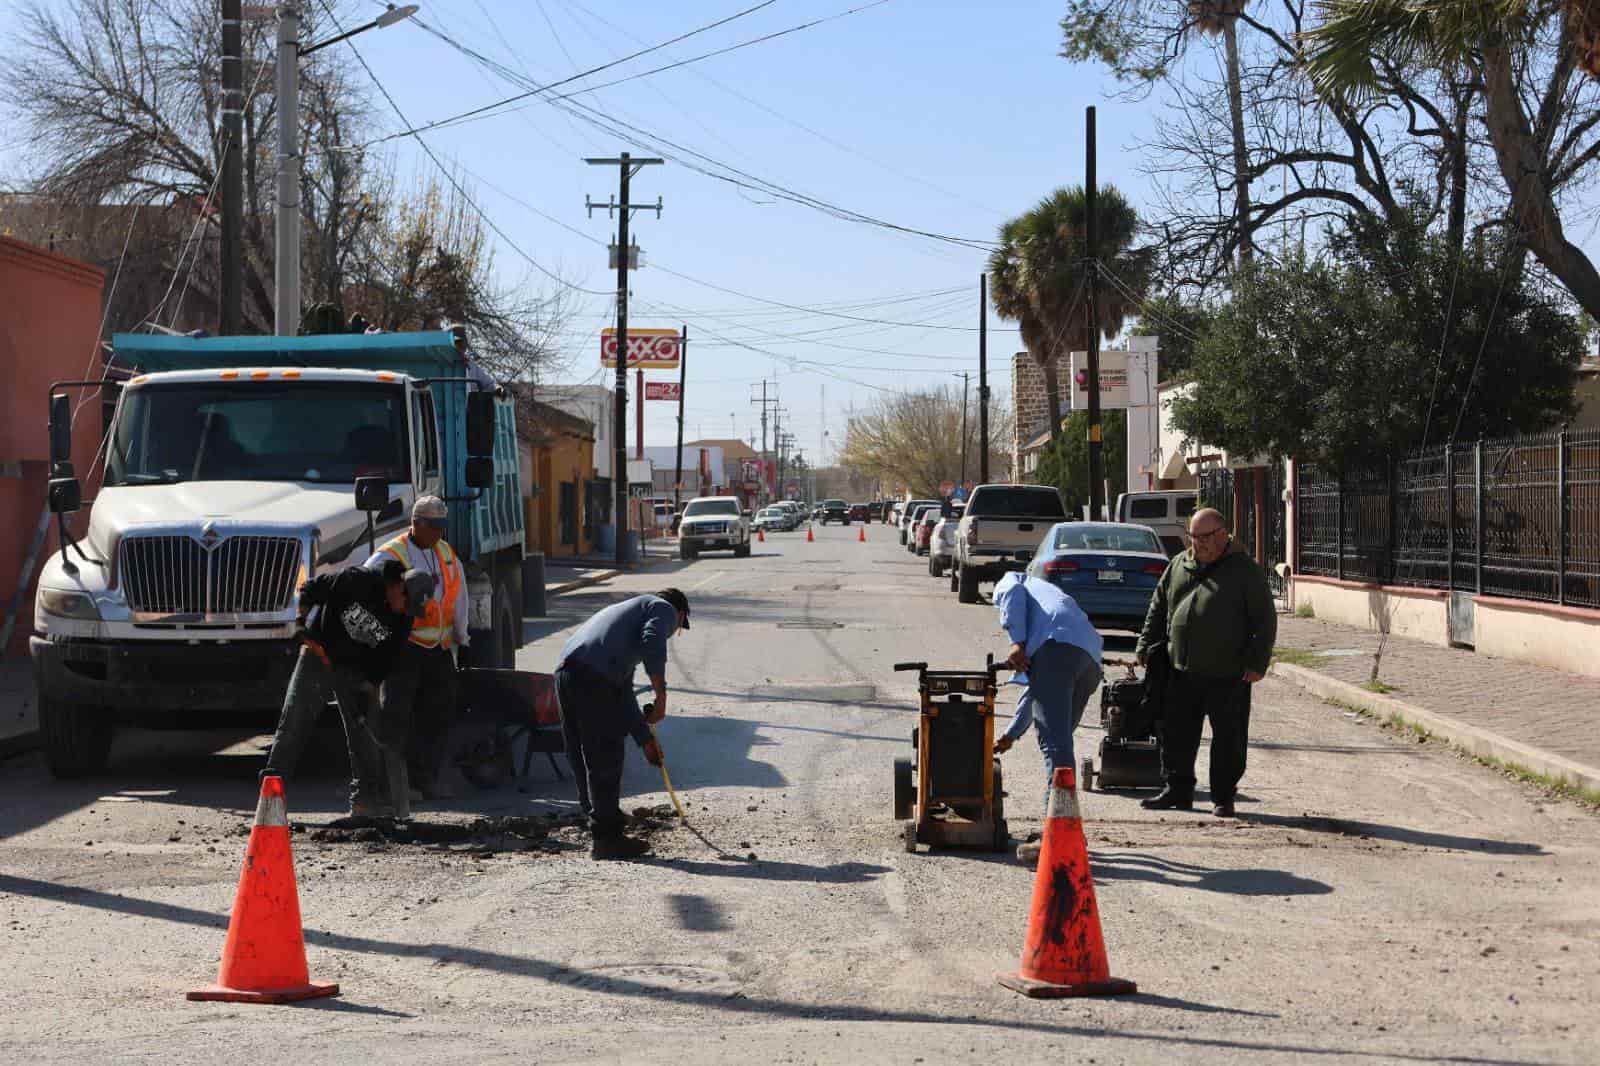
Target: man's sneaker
[618, 847]
[1028, 854]
[1223, 809]
[355, 821]
[1168, 800]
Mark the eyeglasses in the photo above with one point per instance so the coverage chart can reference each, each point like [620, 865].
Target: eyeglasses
[431, 523]
[1207, 535]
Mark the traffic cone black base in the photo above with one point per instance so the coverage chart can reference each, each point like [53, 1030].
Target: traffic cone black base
[1115, 986]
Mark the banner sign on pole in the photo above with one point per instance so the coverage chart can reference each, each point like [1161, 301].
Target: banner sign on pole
[661, 390]
[648, 349]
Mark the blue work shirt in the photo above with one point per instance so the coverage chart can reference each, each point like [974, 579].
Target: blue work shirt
[1033, 611]
[618, 639]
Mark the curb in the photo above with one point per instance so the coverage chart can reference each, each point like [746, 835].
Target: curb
[1469, 738]
[581, 583]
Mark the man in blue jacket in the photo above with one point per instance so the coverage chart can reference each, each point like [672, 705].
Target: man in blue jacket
[1054, 642]
[594, 685]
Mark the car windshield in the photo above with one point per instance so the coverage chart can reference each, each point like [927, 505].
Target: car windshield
[834, 503]
[1016, 501]
[705, 507]
[311, 431]
[1106, 537]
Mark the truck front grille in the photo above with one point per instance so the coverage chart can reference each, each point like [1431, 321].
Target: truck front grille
[179, 575]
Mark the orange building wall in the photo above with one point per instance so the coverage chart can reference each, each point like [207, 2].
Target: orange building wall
[50, 309]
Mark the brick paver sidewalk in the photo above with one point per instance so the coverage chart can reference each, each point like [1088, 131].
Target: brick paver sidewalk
[1548, 709]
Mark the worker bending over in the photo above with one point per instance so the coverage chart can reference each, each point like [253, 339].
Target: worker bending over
[594, 685]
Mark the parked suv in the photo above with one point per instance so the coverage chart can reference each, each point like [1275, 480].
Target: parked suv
[906, 510]
[1165, 511]
[999, 531]
[713, 522]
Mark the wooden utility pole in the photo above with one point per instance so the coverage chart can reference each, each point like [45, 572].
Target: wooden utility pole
[627, 167]
[983, 379]
[683, 377]
[966, 384]
[1097, 459]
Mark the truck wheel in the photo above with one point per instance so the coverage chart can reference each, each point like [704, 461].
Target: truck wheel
[742, 551]
[686, 552]
[967, 588]
[933, 567]
[507, 628]
[953, 586]
[77, 738]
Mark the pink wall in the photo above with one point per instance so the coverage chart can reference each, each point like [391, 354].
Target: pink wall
[50, 309]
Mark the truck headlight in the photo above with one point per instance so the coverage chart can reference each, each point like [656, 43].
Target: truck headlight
[64, 603]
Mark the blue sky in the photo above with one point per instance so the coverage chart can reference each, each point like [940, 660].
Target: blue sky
[942, 116]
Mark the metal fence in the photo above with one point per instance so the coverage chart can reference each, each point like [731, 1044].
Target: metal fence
[1516, 516]
[1233, 492]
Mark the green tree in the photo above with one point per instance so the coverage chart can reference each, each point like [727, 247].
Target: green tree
[1178, 323]
[1539, 113]
[1038, 276]
[1393, 342]
[1065, 462]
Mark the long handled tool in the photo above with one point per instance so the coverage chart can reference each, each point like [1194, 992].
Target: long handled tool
[667, 780]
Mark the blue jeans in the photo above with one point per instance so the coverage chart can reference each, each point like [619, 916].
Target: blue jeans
[1061, 679]
[310, 687]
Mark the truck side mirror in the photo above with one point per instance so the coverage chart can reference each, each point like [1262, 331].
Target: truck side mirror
[372, 493]
[480, 423]
[66, 496]
[480, 472]
[60, 430]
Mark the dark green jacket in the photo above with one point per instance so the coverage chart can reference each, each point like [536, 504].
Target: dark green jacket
[1217, 621]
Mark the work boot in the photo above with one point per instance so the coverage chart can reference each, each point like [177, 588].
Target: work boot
[1028, 854]
[618, 847]
[355, 820]
[1168, 799]
[1223, 809]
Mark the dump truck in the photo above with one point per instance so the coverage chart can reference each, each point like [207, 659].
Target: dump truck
[235, 469]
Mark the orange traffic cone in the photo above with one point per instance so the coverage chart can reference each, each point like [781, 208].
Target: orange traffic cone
[861, 535]
[810, 538]
[264, 957]
[1065, 952]
[761, 536]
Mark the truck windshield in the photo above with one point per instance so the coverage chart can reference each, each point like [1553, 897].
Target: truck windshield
[1016, 501]
[316, 431]
[703, 507]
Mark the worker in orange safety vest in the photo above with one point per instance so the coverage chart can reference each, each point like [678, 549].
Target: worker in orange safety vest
[419, 695]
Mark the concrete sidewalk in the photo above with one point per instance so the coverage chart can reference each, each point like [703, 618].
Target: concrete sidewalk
[1538, 718]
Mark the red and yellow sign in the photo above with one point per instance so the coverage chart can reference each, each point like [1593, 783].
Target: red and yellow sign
[661, 390]
[648, 349]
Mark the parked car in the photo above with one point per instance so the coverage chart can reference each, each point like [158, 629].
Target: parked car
[931, 517]
[776, 519]
[1110, 568]
[875, 510]
[858, 512]
[942, 545]
[1166, 511]
[797, 512]
[906, 510]
[999, 532]
[712, 522]
[835, 511]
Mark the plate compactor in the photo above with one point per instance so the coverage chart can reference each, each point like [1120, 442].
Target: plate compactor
[1130, 753]
[952, 792]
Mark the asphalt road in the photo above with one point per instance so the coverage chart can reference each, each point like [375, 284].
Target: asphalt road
[1379, 900]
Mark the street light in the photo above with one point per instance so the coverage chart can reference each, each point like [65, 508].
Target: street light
[286, 273]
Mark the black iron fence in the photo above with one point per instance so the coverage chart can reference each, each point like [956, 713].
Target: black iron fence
[1234, 493]
[1516, 516]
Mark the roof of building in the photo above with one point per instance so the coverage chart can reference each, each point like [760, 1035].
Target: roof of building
[539, 422]
[731, 448]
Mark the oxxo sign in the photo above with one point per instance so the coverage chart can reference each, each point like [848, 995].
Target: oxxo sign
[648, 349]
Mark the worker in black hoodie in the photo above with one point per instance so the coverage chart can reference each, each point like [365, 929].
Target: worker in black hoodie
[352, 626]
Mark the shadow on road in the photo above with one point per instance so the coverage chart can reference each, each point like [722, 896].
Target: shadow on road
[1398, 834]
[843, 873]
[612, 984]
[698, 914]
[1133, 866]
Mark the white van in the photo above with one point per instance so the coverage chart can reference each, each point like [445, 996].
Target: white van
[1166, 512]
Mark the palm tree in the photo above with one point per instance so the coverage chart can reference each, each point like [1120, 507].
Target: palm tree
[1038, 277]
[1212, 17]
[1483, 36]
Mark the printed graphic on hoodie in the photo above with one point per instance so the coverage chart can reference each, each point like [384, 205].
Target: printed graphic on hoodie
[363, 626]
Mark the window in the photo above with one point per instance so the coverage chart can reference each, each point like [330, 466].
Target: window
[1016, 501]
[1106, 537]
[1148, 507]
[430, 436]
[569, 512]
[325, 432]
[1186, 505]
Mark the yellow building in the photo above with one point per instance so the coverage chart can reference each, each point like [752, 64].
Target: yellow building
[566, 504]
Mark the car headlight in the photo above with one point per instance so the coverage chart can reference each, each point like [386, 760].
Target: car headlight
[64, 603]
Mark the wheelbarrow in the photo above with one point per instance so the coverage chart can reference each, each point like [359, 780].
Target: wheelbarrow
[517, 705]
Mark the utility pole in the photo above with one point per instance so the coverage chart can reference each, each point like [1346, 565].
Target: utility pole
[766, 405]
[231, 311]
[1097, 459]
[965, 384]
[683, 377]
[983, 379]
[286, 219]
[627, 167]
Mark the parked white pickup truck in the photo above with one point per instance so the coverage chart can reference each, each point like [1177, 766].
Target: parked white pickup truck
[999, 531]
